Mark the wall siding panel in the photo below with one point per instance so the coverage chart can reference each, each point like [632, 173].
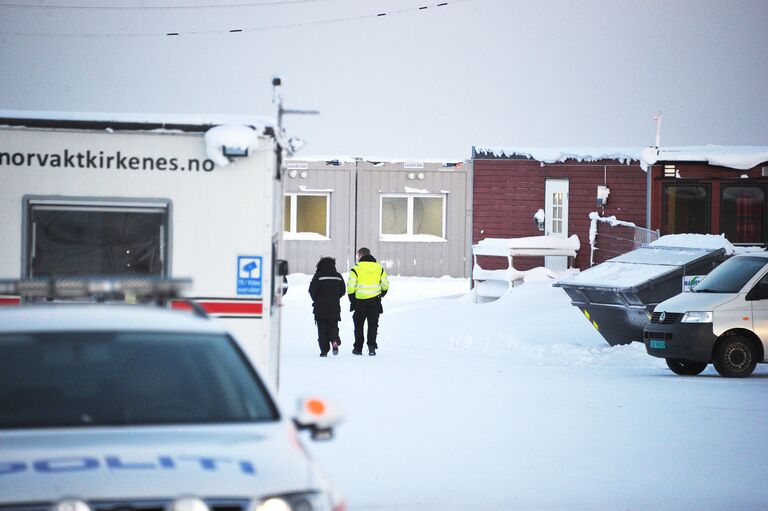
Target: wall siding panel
[507, 193]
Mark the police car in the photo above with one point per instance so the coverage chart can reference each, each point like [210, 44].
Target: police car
[107, 407]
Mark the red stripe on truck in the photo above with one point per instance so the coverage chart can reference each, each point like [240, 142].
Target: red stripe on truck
[223, 307]
[10, 300]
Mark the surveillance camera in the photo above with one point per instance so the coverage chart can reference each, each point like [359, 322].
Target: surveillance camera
[276, 81]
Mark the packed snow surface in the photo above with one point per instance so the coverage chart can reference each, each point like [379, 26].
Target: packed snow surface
[520, 404]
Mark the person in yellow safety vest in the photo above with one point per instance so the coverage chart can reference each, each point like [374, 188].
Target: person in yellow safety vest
[366, 286]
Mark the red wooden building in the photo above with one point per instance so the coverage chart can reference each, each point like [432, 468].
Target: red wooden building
[705, 190]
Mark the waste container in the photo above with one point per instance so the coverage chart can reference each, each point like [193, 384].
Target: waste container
[618, 296]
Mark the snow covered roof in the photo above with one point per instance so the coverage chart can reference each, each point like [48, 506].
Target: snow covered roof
[636, 269]
[373, 159]
[153, 121]
[506, 246]
[702, 241]
[561, 154]
[735, 157]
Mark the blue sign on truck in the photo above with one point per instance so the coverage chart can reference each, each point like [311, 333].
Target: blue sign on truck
[249, 275]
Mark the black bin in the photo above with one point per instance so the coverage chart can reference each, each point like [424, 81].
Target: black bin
[619, 295]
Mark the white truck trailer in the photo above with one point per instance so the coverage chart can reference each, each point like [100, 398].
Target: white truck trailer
[171, 196]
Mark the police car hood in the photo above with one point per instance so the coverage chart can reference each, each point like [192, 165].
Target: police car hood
[153, 462]
[685, 302]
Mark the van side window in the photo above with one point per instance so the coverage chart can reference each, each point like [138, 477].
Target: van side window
[760, 291]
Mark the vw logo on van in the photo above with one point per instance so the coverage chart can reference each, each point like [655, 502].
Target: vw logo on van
[662, 317]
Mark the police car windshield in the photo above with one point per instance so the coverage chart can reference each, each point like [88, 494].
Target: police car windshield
[119, 378]
[731, 276]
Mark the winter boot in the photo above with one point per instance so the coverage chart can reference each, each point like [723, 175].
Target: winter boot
[335, 347]
[371, 352]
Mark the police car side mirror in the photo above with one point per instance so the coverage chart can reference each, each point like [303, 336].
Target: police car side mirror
[318, 417]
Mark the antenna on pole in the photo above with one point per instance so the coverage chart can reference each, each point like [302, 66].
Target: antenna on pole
[277, 99]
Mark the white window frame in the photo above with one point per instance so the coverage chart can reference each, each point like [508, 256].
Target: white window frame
[292, 234]
[408, 236]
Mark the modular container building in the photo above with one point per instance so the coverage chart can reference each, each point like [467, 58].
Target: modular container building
[415, 216]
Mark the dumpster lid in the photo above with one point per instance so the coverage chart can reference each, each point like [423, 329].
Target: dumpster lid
[638, 268]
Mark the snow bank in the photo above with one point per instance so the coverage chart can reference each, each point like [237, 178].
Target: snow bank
[531, 324]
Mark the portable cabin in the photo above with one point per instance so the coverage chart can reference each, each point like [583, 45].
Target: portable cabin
[413, 215]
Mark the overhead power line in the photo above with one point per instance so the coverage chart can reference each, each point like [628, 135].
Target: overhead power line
[268, 3]
[235, 30]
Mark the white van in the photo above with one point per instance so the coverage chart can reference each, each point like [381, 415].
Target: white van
[723, 320]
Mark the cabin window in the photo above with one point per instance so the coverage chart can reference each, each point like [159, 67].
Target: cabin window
[95, 239]
[742, 214]
[410, 217]
[685, 209]
[306, 216]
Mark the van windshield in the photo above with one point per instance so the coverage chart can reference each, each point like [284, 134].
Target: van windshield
[731, 276]
[126, 378]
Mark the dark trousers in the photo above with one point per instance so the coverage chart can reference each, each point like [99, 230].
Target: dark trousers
[366, 310]
[327, 332]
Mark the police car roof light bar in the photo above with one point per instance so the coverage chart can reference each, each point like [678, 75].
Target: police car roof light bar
[83, 287]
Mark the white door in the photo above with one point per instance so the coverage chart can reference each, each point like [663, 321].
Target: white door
[556, 223]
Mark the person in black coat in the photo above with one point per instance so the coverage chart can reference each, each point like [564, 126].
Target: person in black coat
[326, 289]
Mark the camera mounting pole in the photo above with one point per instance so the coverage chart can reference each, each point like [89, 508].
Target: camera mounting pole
[277, 99]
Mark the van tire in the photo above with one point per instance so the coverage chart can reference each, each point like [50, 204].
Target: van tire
[685, 367]
[735, 357]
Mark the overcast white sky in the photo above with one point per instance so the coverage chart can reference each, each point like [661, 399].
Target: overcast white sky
[420, 84]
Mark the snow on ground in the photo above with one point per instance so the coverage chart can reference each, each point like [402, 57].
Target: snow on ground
[520, 404]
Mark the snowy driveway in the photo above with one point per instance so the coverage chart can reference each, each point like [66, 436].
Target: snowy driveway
[520, 404]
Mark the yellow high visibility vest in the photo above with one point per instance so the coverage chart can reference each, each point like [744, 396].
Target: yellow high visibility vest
[367, 280]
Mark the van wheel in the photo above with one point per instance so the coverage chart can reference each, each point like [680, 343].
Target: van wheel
[685, 367]
[735, 357]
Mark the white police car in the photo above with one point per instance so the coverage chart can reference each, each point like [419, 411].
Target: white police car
[135, 408]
